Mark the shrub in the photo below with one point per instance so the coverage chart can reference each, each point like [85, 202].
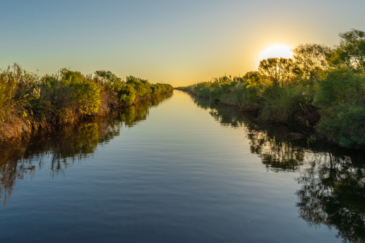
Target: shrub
[141, 86]
[127, 94]
[28, 101]
[71, 76]
[109, 79]
[341, 98]
[6, 94]
[281, 104]
[202, 90]
[86, 97]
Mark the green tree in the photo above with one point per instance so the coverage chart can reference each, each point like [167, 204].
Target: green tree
[253, 76]
[71, 76]
[279, 70]
[86, 98]
[351, 50]
[108, 76]
[311, 59]
[341, 99]
[141, 86]
[111, 78]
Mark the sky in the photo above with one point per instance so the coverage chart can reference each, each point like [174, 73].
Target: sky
[180, 42]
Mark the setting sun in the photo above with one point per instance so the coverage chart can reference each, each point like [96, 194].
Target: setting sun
[190, 121]
[276, 51]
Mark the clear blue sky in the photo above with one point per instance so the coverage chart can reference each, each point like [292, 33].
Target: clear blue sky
[177, 42]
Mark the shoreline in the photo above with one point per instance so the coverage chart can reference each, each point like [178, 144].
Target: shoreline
[300, 131]
[25, 129]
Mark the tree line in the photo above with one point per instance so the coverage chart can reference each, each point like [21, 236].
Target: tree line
[29, 102]
[320, 87]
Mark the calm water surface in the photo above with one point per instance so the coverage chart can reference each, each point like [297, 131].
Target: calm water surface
[181, 170]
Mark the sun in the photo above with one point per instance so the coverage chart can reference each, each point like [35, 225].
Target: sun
[276, 51]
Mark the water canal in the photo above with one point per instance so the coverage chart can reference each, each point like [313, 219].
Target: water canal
[179, 170]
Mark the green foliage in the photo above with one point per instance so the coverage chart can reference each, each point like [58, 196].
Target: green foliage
[280, 104]
[254, 76]
[203, 91]
[127, 94]
[15, 84]
[28, 101]
[109, 78]
[141, 86]
[279, 70]
[86, 97]
[160, 88]
[254, 93]
[311, 60]
[318, 79]
[351, 50]
[341, 98]
[71, 76]
[6, 95]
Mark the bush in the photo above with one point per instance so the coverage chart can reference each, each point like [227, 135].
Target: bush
[86, 98]
[71, 76]
[341, 98]
[280, 104]
[127, 94]
[141, 86]
[6, 95]
[109, 80]
[28, 101]
[202, 90]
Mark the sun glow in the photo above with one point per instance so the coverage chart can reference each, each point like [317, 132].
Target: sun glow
[276, 51]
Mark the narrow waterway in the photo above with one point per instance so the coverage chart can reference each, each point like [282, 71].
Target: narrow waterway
[179, 170]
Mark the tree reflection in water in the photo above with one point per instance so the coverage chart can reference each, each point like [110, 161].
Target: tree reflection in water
[333, 181]
[66, 145]
[333, 193]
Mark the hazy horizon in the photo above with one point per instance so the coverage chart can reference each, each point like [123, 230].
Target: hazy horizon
[175, 42]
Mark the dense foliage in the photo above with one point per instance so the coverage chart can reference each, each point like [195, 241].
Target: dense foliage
[321, 87]
[29, 102]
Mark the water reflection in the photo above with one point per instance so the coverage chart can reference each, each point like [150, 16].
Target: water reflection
[279, 148]
[332, 180]
[333, 193]
[66, 145]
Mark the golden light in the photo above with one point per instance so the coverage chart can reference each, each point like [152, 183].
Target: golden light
[276, 51]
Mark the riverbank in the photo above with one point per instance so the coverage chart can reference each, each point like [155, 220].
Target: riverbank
[320, 88]
[29, 103]
[329, 111]
[69, 142]
[158, 155]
